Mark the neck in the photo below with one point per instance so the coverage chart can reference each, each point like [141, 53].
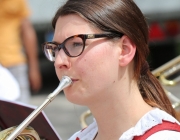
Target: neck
[119, 113]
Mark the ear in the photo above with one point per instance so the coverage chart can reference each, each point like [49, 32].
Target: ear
[128, 50]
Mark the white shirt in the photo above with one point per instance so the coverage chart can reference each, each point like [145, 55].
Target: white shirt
[9, 87]
[149, 120]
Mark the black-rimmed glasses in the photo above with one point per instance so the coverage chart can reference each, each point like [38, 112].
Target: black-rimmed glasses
[73, 46]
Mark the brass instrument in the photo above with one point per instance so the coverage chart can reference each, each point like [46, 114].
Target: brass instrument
[27, 134]
[162, 73]
[22, 132]
[83, 118]
[168, 69]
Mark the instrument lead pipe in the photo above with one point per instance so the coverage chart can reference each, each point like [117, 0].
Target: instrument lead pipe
[65, 81]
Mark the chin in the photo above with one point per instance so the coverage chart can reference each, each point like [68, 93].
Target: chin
[75, 100]
[74, 97]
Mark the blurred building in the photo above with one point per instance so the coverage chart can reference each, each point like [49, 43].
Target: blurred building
[164, 29]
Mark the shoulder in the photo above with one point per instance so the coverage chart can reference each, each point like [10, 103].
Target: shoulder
[148, 121]
[165, 135]
[86, 133]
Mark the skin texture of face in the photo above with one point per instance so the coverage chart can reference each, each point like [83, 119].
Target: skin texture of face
[96, 71]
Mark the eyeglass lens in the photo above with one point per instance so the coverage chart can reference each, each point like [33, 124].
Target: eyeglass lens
[50, 50]
[72, 47]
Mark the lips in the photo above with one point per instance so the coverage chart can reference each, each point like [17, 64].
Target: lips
[74, 80]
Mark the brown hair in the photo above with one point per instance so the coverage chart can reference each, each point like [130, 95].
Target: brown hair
[123, 16]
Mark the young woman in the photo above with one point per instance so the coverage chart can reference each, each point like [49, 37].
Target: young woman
[102, 46]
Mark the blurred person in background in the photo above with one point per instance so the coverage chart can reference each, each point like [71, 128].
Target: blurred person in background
[18, 45]
[9, 87]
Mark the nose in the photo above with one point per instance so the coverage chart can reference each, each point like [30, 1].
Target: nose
[62, 60]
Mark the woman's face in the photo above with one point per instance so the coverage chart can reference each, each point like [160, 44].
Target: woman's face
[95, 71]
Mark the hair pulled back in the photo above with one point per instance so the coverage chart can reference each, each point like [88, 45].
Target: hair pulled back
[123, 16]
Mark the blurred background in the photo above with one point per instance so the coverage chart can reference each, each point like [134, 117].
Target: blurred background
[163, 18]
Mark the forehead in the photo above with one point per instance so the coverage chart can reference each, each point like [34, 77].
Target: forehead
[71, 25]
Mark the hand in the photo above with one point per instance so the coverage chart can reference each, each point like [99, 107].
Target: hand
[35, 79]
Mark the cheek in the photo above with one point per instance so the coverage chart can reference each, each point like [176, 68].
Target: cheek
[99, 65]
[97, 70]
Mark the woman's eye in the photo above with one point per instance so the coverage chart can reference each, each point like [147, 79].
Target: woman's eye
[77, 44]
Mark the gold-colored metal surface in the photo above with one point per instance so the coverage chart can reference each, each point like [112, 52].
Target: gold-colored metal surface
[168, 69]
[163, 72]
[83, 118]
[27, 134]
